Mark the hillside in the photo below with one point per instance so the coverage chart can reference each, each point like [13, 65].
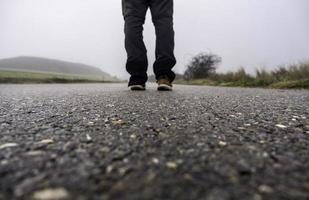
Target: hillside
[44, 65]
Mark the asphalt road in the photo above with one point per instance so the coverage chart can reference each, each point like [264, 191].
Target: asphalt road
[101, 141]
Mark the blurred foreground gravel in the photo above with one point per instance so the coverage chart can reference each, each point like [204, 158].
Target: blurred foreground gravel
[100, 141]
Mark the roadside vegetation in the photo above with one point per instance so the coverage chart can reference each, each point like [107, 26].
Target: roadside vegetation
[38, 77]
[202, 71]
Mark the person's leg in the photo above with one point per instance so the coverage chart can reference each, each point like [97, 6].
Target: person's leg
[134, 12]
[162, 17]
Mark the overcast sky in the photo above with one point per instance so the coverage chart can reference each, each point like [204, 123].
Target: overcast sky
[249, 33]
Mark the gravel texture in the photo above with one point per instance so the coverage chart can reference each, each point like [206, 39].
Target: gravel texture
[101, 141]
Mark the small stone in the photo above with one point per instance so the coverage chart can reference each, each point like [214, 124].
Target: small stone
[257, 197]
[123, 171]
[133, 136]
[51, 194]
[118, 122]
[90, 123]
[247, 125]
[298, 129]
[89, 139]
[265, 189]
[4, 162]
[155, 160]
[265, 155]
[35, 153]
[8, 145]
[171, 165]
[281, 126]
[46, 141]
[222, 143]
[105, 149]
[109, 169]
[188, 177]
[200, 144]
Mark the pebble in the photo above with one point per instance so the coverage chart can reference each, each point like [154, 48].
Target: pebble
[257, 197]
[51, 194]
[200, 144]
[4, 162]
[8, 145]
[281, 126]
[171, 165]
[133, 136]
[35, 153]
[89, 139]
[105, 149]
[90, 123]
[109, 169]
[155, 160]
[118, 122]
[123, 171]
[222, 143]
[46, 141]
[265, 189]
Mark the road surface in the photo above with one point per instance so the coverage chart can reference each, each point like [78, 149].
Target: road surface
[101, 141]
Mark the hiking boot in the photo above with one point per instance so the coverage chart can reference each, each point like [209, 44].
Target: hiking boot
[164, 84]
[137, 87]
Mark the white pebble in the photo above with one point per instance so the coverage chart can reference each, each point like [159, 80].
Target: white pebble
[222, 144]
[171, 165]
[133, 136]
[51, 194]
[46, 141]
[265, 189]
[8, 145]
[155, 160]
[88, 137]
[281, 126]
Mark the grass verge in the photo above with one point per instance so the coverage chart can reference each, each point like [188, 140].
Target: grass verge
[38, 77]
[284, 77]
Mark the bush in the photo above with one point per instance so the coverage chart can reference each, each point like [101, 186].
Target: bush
[202, 66]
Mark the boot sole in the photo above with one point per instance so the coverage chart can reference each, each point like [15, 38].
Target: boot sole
[137, 88]
[164, 87]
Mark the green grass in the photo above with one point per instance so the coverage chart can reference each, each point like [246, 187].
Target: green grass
[38, 77]
[284, 77]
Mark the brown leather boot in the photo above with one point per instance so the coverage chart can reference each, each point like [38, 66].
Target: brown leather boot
[164, 84]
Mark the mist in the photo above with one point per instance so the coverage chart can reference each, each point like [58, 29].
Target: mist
[252, 34]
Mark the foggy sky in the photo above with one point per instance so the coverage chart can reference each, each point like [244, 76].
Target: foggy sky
[249, 33]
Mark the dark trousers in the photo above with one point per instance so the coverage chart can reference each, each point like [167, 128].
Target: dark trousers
[134, 12]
